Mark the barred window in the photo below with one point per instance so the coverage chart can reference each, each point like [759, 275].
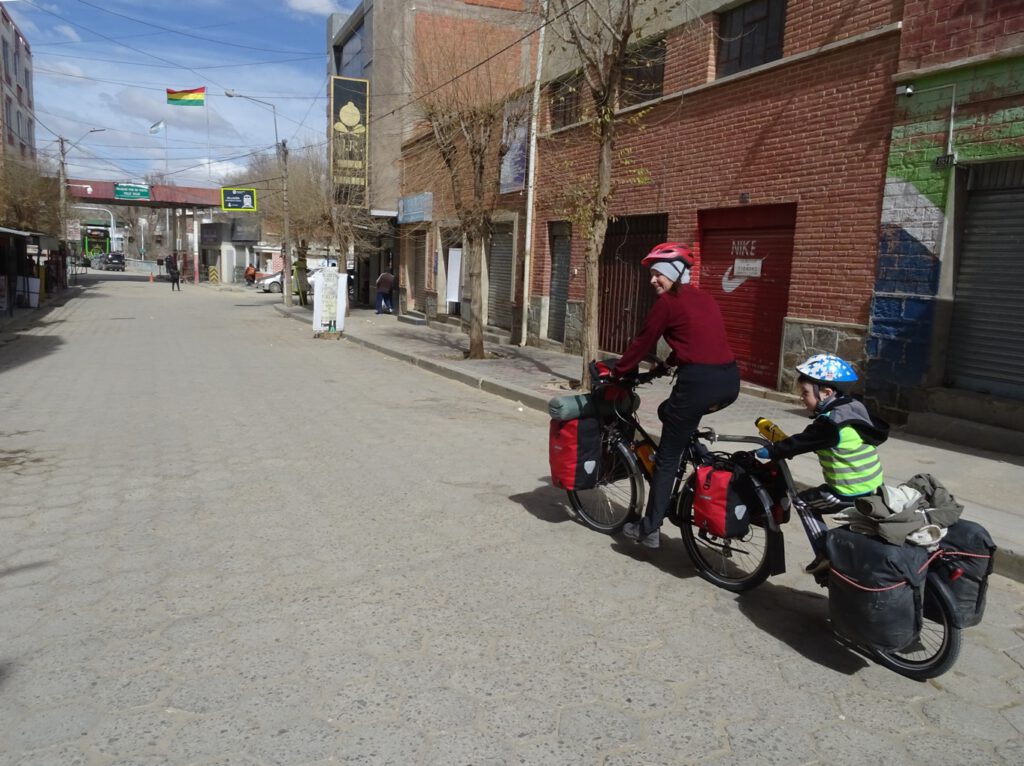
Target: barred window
[565, 101]
[643, 77]
[750, 35]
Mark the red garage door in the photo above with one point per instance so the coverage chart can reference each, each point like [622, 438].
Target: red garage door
[746, 254]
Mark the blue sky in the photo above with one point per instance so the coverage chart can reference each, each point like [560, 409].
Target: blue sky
[105, 64]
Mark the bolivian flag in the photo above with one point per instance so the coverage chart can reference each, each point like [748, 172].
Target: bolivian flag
[194, 97]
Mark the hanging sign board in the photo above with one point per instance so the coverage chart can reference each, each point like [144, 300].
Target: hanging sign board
[238, 199]
[131, 191]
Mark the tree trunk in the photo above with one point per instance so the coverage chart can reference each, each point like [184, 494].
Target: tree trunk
[595, 244]
[474, 264]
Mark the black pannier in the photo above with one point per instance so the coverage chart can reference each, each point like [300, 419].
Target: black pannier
[968, 556]
[875, 589]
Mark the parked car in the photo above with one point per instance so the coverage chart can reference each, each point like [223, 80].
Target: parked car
[271, 284]
[115, 262]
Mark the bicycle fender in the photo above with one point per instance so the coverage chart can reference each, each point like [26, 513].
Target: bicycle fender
[776, 552]
[935, 581]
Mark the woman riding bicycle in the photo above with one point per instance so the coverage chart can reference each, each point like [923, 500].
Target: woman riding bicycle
[706, 379]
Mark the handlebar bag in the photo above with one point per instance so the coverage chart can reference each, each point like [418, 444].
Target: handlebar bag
[722, 499]
[968, 551]
[875, 589]
[574, 452]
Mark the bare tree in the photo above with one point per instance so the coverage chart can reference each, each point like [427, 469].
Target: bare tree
[28, 199]
[468, 97]
[316, 214]
[601, 33]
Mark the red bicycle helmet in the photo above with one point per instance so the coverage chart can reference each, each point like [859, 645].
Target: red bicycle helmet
[669, 251]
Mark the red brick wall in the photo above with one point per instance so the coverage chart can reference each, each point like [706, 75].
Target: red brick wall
[506, 5]
[942, 31]
[814, 133]
[811, 24]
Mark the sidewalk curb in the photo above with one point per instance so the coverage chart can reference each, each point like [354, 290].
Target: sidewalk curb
[1009, 562]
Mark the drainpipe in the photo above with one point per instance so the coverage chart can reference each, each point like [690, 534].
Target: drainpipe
[531, 183]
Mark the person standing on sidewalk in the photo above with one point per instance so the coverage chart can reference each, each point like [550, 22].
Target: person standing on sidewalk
[385, 282]
[172, 271]
[707, 378]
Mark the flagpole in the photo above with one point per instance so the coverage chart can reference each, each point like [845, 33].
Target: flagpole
[209, 150]
[165, 152]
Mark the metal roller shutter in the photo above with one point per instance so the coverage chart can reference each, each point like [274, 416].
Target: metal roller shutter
[625, 290]
[745, 263]
[419, 270]
[499, 278]
[986, 341]
[558, 295]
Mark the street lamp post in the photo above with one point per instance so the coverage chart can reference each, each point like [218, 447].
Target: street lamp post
[282, 164]
[62, 171]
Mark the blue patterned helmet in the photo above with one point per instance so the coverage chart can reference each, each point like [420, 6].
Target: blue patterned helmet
[828, 370]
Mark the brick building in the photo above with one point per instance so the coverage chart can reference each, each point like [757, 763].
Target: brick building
[473, 49]
[383, 43]
[760, 132]
[946, 330]
[16, 91]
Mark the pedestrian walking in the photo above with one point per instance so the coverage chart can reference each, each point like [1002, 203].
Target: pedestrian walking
[385, 283]
[172, 271]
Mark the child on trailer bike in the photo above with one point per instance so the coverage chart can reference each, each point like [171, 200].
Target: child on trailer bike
[844, 436]
[706, 380]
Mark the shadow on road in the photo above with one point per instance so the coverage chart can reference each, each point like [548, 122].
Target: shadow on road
[670, 557]
[24, 568]
[798, 619]
[547, 503]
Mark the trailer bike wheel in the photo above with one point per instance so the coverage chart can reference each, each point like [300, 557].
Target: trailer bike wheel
[735, 564]
[619, 494]
[936, 649]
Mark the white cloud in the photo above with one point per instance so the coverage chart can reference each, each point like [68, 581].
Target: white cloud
[320, 7]
[66, 31]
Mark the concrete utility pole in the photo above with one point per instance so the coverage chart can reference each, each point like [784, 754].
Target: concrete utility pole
[286, 278]
[62, 174]
[282, 165]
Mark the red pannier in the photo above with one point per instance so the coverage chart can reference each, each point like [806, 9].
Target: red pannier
[574, 451]
[721, 500]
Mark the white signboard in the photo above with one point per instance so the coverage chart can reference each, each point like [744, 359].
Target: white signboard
[454, 274]
[74, 232]
[747, 267]
[330, 291]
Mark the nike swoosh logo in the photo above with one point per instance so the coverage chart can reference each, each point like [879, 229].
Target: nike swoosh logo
[729, 282]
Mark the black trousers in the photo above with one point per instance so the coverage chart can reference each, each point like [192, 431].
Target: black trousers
[699, 389]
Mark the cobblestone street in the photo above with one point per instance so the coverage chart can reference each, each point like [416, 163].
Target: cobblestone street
[225, 542]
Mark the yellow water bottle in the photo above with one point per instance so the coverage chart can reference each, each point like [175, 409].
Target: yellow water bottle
[769, 430]
[645, 452]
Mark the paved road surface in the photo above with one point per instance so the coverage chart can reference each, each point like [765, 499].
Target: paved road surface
[223, 542]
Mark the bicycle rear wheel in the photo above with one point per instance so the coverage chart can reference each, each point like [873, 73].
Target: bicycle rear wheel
[735, 564]
[936, 649]
[619, 494]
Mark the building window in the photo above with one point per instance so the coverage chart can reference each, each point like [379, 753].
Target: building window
[353, 56]
[20, 132]
[644, 74]
[7, 60]
[17, 65]
[9, 114]
[750, 35]
[565, 101]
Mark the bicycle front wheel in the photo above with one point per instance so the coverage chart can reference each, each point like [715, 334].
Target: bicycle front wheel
[936, 649]
[619, 494]
[735, 564]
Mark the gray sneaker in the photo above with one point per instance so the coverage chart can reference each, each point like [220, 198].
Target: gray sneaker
[632, 531]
